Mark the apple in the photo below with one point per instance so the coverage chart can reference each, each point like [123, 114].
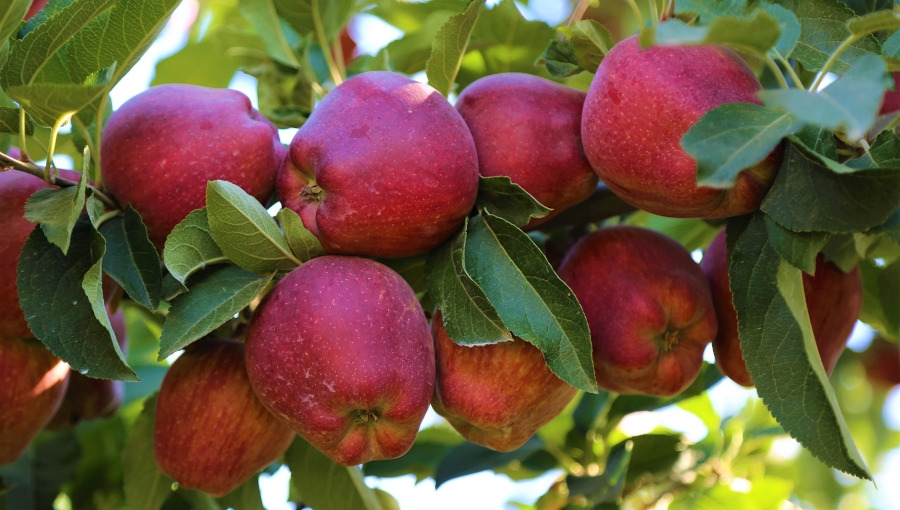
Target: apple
[32, 384]
[648, 306]
[639, 105]
[496, 395]
[891, 102]
[882, 363]
[88, 398]
[833, 300]
[15, 189]
[528, 128]
[35, 7]
[341, 350]
[211, 433]
[162, 146]
[383, 167]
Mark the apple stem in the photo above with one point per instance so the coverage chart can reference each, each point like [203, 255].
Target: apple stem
[788, 68]
[637, 12]
[8, 162]
[579, 11]
[776, 72]
[654, 11]
[845, 44]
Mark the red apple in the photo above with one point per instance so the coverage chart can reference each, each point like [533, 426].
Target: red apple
[383, 167]
[36, 6]
[891, 101]
[833, 299]
[882, 363]
[639, 105]
[211, 432]
[529, 129]
[32, 384]
[648, 305]
[495, 395]
[162, 146]
[341, 350]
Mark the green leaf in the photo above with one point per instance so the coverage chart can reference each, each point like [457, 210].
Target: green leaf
[263, 15]
[798, 248]
[324, 485]
[788, 24]
[467, 314]
[190, 247]
[560, 60]
[304, 245]
[874, 22]
[206, 63]
[131, 259]
[57, 210]
[245, 497]
[812, 198]
[823, 29]
[449, 47]
[11, 14]
[756, 34]
[626, 404]
[59, 312]
[508, 200]
[591, 42]
[881, 297]
[732, 137]
[431, 444]
[608, 486]
[215, 297]
[47, 102]
[469, 458]
[816, 109]
[775, 333]
[146, 487]
[858, 92]
[709, 11]
[300, 15]
[883, 153]
[654, 454]
[9, 121]
[532, 300]
[244, 231]
[37, 477]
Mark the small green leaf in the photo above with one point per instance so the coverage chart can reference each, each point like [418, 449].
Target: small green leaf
[534, 303]
[47, 102]
[883, 153]
[324, 485]
[859, 92]
[246, 496]
[560, 60]
[244, 231]
[263, 15]
[11, 14]
[57, 210]
[732, 137]
[591, 42]
[756, 34]
[300, 14]
[881, 297]
[468, 315]
[469, 458]
[797, 248]
[59, 312]
[304, 245]
[820, 36]
[449, 48]
[789, 25]
[607, 487]
[503, 198]
[190, 247]
[9, 120]
[215, 297]
[146, 487]
[768, 296]
[875, 22]
[131, 259]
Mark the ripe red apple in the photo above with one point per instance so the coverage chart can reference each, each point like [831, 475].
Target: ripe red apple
[15, 189]
[639, 105]
[36, 6]
[341, 350]
[891, 101]
[32, 384]
[833, 299]
[88, 398]
[648, 305]
[495, 395]
[383, 167]
[882, 363]
[529, 129]
[162, 146]
[211, 432]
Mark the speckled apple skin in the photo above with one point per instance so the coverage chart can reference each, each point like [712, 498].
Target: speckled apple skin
[495, 395]
[32, 384]
[648, 305]
[639, 105]
[383, 167]
[528, 128]
[162, 147]
[833, 300]
[210, 432]
[341, 350]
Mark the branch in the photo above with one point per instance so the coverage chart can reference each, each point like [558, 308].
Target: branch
[8, 163]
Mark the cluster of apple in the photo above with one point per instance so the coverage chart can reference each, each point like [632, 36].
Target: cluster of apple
[340, 350]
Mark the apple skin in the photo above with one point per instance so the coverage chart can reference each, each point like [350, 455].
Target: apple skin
[529, 128]
[32, 384]
[383, 167]
[648, 306]
[88, 398]
[36, 6]
[495, 395]
[341, 350]
[882, 363]
[639, 105]
[833, 300]
[162, 146]
[15, 189]
[211, 432]
[891, 101]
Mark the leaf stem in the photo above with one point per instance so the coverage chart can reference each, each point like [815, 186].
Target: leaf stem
[846, 43]
[654, 11]
[22, 125]
[9, 162]
[787, 67]
[323, 43]
[578, 11]
[54, 133]
[776, 71]
[637, 13]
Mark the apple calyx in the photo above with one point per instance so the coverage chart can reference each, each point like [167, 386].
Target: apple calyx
[669, 339]
[364, 416]
[312, 193]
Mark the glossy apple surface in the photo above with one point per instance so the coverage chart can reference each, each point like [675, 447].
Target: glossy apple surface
[528, 128]
[32, 384]
[341, 350]
[383, 167]
[648, 305]
[495, 395]
[833, 300]
[162, 146]
[639, 105]
[211, 432]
